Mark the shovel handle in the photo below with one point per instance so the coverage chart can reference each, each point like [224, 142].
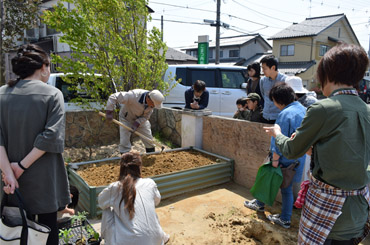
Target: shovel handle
[130, 129]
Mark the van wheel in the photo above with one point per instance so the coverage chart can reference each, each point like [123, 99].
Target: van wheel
[368, 99]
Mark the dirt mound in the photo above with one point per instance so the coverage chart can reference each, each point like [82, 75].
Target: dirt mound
[246, 229]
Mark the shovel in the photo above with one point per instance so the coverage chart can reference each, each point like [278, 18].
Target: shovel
[135, 132]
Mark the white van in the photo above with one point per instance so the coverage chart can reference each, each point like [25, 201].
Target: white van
[225, 85]
[56, 80]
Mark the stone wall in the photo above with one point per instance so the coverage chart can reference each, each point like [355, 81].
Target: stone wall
[244, 141]
[167, 122]
[87, 128]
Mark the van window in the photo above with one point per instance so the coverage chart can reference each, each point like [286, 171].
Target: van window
[63, 86]
[208, 76]
[181, 73]
[69, 93]
[232, 79]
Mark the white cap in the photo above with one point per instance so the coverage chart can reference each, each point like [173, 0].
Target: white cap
[157, 98]
[296, 84]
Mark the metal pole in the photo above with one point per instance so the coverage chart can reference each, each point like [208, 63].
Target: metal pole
[218, 24]
[162, 28]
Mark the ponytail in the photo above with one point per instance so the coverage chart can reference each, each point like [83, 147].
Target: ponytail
[130, 172]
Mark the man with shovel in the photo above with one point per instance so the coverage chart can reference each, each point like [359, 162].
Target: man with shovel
[137, 107]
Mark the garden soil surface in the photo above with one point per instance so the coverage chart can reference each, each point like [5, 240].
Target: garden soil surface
[211, 216]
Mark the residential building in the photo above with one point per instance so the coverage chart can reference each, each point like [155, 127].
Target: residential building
[175, 57]
[300, 47]
[233, 50]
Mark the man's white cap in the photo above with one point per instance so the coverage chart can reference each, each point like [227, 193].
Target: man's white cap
[296, 84]
[157, 98]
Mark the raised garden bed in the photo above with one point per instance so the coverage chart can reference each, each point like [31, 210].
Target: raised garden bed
[172, 179]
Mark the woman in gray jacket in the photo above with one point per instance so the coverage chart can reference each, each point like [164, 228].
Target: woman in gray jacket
[32, 138]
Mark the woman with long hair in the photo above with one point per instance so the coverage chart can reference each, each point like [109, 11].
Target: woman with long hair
[128, 205]
[32, 127]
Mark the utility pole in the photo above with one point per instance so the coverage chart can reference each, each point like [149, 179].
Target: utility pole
[218, 24]
[162, 28]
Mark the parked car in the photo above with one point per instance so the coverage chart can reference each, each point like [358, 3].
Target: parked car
[364, 90]
[57, 80]
[225, 85]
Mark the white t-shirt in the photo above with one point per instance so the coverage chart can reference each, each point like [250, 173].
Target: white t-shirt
[144, 228]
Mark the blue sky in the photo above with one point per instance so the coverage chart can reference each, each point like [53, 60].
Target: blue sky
[184, 20]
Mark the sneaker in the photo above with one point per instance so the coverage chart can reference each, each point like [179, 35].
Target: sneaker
[166, 238]
[277, 220]
[254, 205]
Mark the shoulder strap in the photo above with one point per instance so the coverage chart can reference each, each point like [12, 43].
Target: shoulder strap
[24, 234]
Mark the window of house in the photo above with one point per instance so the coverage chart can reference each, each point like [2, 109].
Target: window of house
[338, 32]
[210, 54]
[287, 50]
[194, 53]
[234, 53]
[221, 54]
[323, 49]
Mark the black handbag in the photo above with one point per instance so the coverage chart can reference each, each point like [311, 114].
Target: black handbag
[288, 174]
[16, 228]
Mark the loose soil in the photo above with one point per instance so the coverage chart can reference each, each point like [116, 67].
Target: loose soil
[101, 174]
[214, 215]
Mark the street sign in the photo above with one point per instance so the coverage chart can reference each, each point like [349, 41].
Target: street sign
[203, 53]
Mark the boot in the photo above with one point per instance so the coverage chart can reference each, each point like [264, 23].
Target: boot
[148, 150]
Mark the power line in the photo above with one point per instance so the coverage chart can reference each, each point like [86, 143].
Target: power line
[178, 6]
[261, 13]
[182, 22]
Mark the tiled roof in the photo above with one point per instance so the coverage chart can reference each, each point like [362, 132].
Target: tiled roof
[173, 54]
[308, 27]
[295, 67]
[227, 41]
[255, 58]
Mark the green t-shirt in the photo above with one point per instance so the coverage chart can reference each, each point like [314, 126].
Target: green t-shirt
[339, 129]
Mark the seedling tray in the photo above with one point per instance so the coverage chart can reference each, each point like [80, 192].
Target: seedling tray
[76, 230]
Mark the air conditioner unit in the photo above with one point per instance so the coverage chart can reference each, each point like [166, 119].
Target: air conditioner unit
[32, 34]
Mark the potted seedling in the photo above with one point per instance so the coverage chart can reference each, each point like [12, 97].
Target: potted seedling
[65, 235]
[94, 238]
[80, 218]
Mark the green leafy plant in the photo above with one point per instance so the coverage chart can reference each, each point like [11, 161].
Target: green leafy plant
[92, 232]
[66, 235]
[109, 38]
[80, 217]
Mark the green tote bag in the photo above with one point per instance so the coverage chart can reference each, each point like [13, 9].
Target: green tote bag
[267, 184]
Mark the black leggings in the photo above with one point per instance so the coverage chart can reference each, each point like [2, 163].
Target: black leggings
[50, 220]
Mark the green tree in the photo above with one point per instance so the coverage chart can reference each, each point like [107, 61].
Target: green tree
[109, 37]
[15, 17]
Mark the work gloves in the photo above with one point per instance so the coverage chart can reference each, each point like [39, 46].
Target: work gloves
[135, 125]
[109, 115]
